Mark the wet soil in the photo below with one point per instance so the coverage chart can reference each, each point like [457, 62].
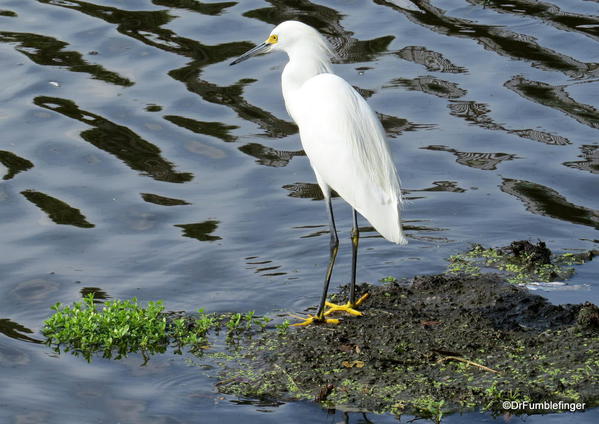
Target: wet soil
[432, 345]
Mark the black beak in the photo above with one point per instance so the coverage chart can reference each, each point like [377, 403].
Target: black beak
[260, 48]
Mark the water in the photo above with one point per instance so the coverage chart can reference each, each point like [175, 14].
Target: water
[136, 162]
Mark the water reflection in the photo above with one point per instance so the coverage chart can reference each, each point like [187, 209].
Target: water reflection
[555, 97]
[431, 60]
[16, 331]
[542, 136]
[141, 25]
[118, 140]
[307, 191]
[590, 153]
[49, 51]
[548, 13]
[197, 6]
[264, 267]
[268, 156]
[231, 96]
[35, 290]
[431, 85]
[477, 113]
[14, 164]
[145, 26]
[543, 200]
[447, 186]
[484, 161]
[200, 230]
[162, 200]
[57, 210]
[471, 111]
[12, 356]
[213, 129]
[99, 294]
[177, 54]
[395, 126]
[498, 39]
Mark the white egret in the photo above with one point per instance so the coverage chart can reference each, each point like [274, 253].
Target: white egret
[344, 141]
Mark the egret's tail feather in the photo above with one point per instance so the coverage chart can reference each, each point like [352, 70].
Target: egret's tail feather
[387, 222]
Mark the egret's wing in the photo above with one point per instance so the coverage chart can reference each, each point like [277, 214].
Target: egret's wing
[345, 143]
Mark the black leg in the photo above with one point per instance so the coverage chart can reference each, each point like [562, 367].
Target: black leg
[355, 238]
[334, 247]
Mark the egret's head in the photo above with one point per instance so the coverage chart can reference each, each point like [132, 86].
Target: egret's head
[291, 36]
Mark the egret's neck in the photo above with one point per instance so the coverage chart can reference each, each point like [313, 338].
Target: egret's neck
[300, 68]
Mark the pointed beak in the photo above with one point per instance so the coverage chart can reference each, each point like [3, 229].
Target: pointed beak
[260, 48]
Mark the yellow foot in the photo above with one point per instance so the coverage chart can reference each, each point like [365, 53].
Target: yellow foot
[313, 319]
[348, 307]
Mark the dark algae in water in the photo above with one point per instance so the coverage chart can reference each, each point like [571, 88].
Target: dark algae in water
[434, 345]
[521, 262]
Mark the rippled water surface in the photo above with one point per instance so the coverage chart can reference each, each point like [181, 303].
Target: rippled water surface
[136, 162]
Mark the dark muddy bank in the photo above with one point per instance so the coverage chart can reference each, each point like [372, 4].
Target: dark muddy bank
[433, 345]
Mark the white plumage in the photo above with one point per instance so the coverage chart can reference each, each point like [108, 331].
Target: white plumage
[342, 137]
[350, 155]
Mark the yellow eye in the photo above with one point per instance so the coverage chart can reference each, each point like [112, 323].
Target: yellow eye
[272, 39]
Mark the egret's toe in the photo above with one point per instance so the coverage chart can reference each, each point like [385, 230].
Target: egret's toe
[348, 307]
[313, 319]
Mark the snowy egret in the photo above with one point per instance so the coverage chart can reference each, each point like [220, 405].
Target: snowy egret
[344, 141]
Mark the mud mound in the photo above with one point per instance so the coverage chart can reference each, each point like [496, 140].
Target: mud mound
[436, 344]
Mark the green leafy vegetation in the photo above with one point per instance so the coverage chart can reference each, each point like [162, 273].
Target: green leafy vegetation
[119, 327]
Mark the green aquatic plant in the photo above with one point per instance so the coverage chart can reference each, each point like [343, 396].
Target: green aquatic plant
[283, 327]
[119, 327]
[429, 407]
[192, 332]
[238, 324]
[388, 279]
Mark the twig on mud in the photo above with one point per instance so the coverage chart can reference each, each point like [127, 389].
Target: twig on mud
[466, 361]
